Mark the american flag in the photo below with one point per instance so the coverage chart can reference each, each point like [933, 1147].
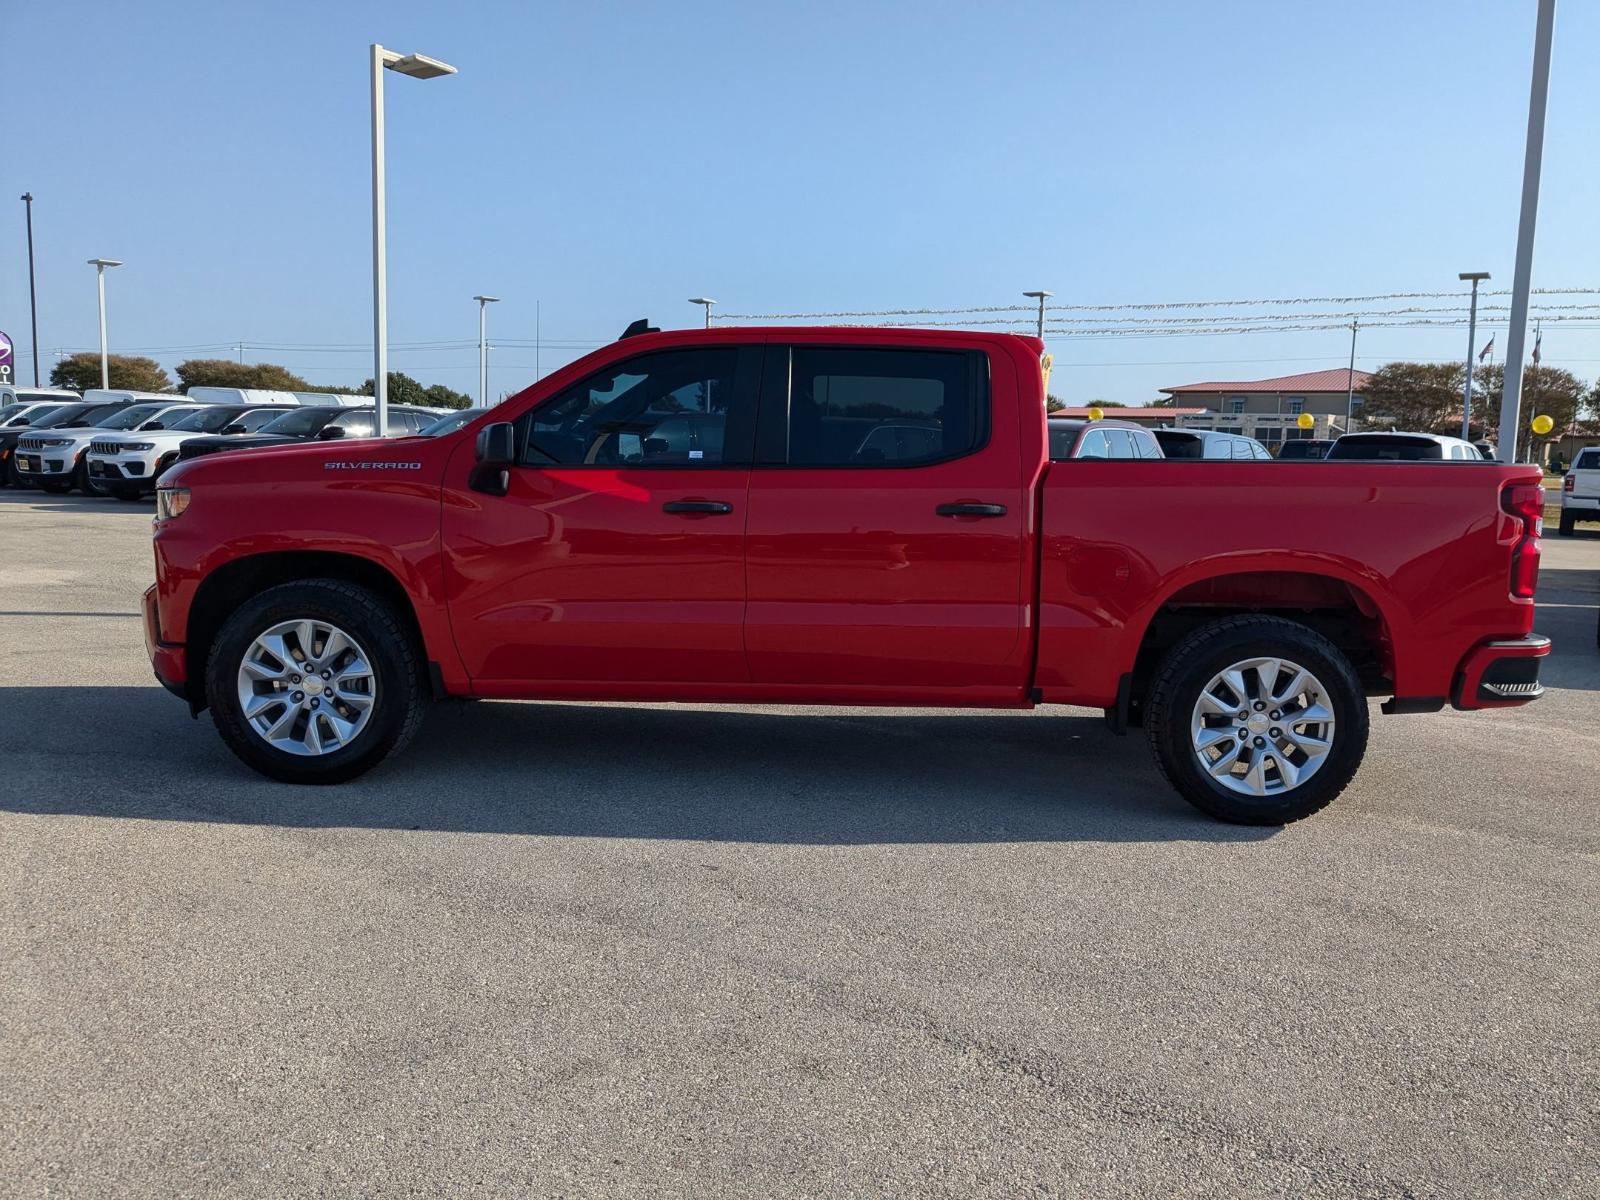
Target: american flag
[1537, 338]
[1487, 347]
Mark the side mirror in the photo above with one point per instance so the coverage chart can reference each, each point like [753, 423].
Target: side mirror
[151, 425]
[233, 428]
[329, 432]
[496, 453]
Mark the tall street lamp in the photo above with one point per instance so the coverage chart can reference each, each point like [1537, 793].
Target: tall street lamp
[708, 302]
[33, 300]
[483, 350]
[417, 66]
[1477, 277]
[1041, 297]
[100, 265]
[1522, 276]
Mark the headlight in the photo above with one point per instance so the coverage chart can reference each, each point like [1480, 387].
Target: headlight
[171, 502]
[136, 446]
[55, 441]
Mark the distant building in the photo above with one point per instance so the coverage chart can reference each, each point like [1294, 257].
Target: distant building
[1268, 409]
[1144, 416]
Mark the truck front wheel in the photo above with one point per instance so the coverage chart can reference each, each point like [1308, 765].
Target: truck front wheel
[1257, 720]
[315, 682]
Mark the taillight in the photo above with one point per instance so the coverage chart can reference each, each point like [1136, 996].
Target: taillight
[1570, 483]
[1525, 501]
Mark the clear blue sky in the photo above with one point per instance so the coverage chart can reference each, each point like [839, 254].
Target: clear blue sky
[610, 160]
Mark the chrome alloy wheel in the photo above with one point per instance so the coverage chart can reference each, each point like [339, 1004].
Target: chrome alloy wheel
[306, 687]
[1262, 727]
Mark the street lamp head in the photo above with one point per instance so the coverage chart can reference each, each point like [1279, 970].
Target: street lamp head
[701, 300]
[1038, 295]
[103, 263]
[26, 196]
[487, 299]
[418, 66]
[1474, 275]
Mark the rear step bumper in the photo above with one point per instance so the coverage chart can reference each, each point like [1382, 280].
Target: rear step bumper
[1501, 674]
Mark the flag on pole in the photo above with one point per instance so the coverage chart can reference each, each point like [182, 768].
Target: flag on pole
[1538, 337]
[1487, 347]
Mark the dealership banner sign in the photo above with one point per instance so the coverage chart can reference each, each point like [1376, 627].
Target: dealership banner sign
[8, 359]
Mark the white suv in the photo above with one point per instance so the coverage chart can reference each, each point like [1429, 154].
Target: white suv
[128, 464]
[54, 458]
[1580, 490]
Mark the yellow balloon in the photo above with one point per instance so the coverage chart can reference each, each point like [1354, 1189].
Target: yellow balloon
[1541, 424]
[1305, 421]
[1096, 414]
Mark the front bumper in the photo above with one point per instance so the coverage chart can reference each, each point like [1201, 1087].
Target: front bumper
[168, 659]
[50, 463]
[123, 470]
[1501, 674]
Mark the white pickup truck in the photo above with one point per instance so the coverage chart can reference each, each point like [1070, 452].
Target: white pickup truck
[1580, 490]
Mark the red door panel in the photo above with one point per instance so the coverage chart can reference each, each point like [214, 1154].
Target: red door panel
[582, 575]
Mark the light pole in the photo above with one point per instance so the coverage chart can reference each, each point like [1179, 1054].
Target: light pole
[1041, 297]
[33, 299]
[483, 350]
[1522, 279]
[1472, 348]
[417, 66]
[100, 265]
[1350, 382]
[708, 302]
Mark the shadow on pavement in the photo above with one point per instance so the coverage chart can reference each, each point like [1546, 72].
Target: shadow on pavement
[567, 770]
[1568, 614]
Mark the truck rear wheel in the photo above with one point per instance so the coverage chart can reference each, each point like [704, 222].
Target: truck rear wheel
[315, 682]
[1257, 720]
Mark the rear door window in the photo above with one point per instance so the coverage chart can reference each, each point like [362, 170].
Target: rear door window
[1219, 447]
[1146, 444]
[855, 407]
[1094, 445]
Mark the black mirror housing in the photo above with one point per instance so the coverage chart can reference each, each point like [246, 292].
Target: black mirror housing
[496, 452]
[497, 445]
[329, 432]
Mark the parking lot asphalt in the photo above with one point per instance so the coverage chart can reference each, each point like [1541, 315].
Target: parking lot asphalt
[679, 950]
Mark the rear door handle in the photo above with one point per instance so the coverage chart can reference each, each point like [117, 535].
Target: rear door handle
[971, 510]
[697, 506]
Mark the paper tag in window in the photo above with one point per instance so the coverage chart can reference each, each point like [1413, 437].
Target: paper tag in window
[697, 454]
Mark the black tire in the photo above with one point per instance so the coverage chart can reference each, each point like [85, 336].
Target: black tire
[1567, 522]
[1191, 665]
[80, 476]
[397, 662]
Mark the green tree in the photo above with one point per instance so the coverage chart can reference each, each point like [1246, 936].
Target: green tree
[1107, 404]
[1559, 395]
[1054, 404]
[80, 372]
[221, 372]
[405, 390]
[1423, 397]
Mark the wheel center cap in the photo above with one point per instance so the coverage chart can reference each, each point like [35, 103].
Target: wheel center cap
[1257, 722]
[313, 686]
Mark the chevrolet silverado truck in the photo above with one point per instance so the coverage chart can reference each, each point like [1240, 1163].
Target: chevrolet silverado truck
[715, 516]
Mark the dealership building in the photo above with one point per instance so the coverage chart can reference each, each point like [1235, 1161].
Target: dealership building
[1269, 409]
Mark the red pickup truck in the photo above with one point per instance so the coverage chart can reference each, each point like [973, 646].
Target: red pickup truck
[839, 516]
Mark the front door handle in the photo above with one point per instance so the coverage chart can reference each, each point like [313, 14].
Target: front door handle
[971, 510]
[717, 507]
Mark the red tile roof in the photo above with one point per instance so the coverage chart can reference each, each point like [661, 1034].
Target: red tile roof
[1337, 380]
[1143, 413]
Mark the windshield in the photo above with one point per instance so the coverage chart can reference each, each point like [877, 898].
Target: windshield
[206, 420]
[302, 421]
[10, 410]
[56, 417]
[132, 417]
[450, 423]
